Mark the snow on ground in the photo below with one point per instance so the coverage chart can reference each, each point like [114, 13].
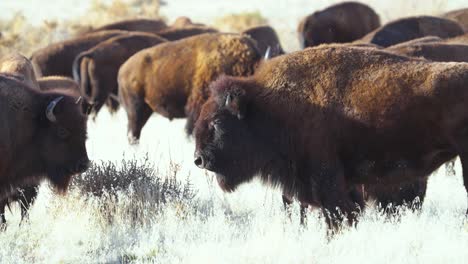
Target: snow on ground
[248, 226]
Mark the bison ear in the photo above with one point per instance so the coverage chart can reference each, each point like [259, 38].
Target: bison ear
[235, 103]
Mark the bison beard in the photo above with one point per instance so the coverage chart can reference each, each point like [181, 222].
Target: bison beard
[318, 137]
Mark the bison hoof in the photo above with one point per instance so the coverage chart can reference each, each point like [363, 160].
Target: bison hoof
[132, 140]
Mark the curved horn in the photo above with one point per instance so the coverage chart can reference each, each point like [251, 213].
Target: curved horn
[268, 53]
[228, 100]
[50, 109]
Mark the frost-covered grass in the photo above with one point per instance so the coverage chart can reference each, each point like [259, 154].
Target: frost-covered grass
[248, 226]
[95, 221]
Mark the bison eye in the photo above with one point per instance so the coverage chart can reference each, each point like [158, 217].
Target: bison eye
[63, 133]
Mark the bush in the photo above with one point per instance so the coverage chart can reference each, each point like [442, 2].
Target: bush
[132, 190]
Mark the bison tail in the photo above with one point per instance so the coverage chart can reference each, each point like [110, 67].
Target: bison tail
[77, 65]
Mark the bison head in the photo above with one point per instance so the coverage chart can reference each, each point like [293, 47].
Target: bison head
[314, 32]
[226, 139]
[62, 139]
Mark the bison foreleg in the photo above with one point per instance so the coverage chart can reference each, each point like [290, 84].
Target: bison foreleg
[26, 199]
[464, 163]
[138, 114]
[337, 202]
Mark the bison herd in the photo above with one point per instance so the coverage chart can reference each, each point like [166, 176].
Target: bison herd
[363, 111]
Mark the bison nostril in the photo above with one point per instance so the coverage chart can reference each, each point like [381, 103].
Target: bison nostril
[199, 161]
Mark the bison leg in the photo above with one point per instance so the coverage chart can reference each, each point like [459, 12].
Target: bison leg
[338, 204]
[138, 114]
[26, 199]
[391, 196]
[3, 204]
[464, 162]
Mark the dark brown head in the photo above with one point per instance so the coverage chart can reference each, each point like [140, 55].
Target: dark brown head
[62, 138]
[227, 141]
[313, 32]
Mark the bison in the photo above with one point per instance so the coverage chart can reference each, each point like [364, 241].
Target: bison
[137, 24]
[42, 136]
[267, 40]
[433, 51]
[96, 69]
[172, 78]
[343, 22]
[322, 121]
[173, 34]
[18, 67]
[57, 58]
[409, 28]
[460, 16]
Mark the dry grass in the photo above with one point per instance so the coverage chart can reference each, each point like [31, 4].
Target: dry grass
[240, 21]
[17, 35]
[132, 189]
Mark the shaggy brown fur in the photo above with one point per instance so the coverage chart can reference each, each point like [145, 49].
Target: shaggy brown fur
[33, 146]
[19, 67]
[172, 78]
[344, 22]
[460, 16]
[409, 28]
[322, 121]
[96, 69]
[266, 37]
[138, 24]
[57, 59]
[433, 51]
[173, 34]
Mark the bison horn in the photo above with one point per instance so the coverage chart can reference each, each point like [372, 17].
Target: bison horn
[50, 109]
[228, 100]
[268, 53]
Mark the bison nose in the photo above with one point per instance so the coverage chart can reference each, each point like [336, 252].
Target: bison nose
[83, 165]
[199, 160]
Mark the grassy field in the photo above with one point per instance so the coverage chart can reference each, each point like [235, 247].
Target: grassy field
[150, 204]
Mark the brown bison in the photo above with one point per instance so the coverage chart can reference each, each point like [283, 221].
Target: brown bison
[138, 24]
[96, 69]
[57, 58]
[344, 22]
[322, 121]
[267, 40]
[433, 51]
[18, 67]
[409, 28]
[42, 136]
[173, 34]
[460, 16]
[172, 78]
